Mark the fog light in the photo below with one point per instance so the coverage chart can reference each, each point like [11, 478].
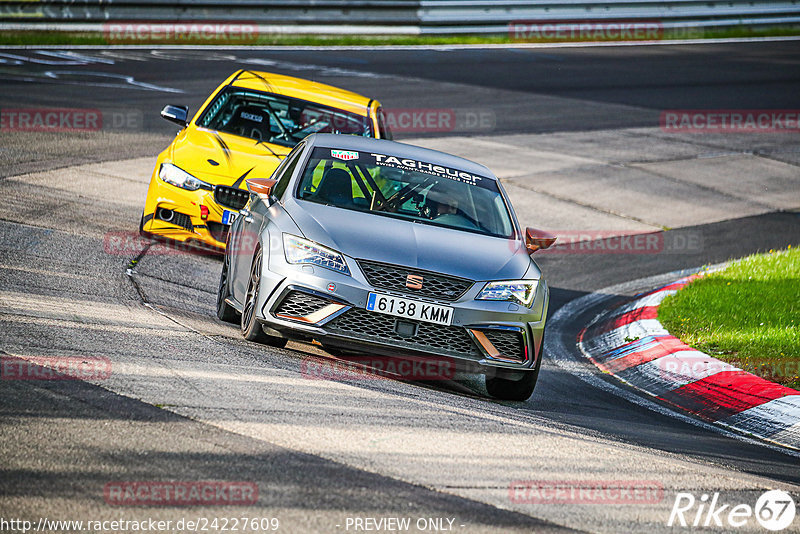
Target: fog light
[165, 214]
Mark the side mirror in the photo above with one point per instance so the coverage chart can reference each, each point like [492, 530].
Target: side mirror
[262, 187]
[177, 114]
[538, 240]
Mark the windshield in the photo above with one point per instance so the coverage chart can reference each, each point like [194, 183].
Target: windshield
[276, 118]
[405, 188]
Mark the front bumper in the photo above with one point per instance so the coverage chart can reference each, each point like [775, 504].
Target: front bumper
[185, 222]
[330, 307]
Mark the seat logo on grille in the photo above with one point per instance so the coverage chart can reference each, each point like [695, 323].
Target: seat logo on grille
[414, 281]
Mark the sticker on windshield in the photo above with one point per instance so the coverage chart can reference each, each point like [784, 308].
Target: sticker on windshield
[346, 155]
[440, 171]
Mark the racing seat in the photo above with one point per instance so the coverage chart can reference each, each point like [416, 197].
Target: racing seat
[336, 187]
[249, 121]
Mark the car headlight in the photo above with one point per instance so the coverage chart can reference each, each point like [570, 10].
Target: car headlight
[180, 178]
[521, 291]
[299, 250]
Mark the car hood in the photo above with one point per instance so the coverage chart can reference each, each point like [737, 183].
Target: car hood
[426, 247]
[222, 158]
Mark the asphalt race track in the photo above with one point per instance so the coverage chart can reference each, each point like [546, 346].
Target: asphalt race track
[188, 399]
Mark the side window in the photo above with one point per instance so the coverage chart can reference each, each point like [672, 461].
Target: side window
[284, 173]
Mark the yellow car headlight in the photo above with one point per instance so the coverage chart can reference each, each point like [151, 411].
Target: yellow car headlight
[179, 178]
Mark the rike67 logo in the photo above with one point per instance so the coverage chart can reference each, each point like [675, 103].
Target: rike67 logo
[774, 510]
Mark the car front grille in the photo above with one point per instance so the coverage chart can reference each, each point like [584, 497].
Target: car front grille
[394, 277]
[299, 304]
[380, 328]
[230, 197]
[509, 343]
[218, 231]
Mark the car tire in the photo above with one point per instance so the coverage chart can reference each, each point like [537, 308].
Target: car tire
[513, 390]
[251, 328]
[225, 311]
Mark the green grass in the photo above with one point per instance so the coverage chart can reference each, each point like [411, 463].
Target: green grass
[22, 38]
[87, 38]
[747, 314]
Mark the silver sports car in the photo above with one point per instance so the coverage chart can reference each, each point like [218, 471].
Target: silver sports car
[384, 248]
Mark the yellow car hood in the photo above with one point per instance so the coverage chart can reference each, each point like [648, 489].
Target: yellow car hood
[221, 158]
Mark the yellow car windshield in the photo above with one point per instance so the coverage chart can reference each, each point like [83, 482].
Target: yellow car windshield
[276, 118]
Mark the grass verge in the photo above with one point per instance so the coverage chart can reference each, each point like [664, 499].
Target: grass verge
[34, 38]
[747, 314]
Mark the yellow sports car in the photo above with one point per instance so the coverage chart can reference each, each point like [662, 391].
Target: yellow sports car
[243, 130]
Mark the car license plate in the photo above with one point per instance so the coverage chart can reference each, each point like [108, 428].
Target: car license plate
[228, 216]
[409, 309]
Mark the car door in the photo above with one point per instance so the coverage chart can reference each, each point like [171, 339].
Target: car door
[252, 222]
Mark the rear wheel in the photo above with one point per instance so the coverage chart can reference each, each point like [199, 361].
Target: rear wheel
[225, 311]
[511, 387]
[251, 328]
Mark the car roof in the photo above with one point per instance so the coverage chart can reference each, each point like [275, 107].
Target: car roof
[400, 150]
[303, 89]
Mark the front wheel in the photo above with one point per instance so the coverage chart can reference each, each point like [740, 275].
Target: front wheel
[251, 328]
